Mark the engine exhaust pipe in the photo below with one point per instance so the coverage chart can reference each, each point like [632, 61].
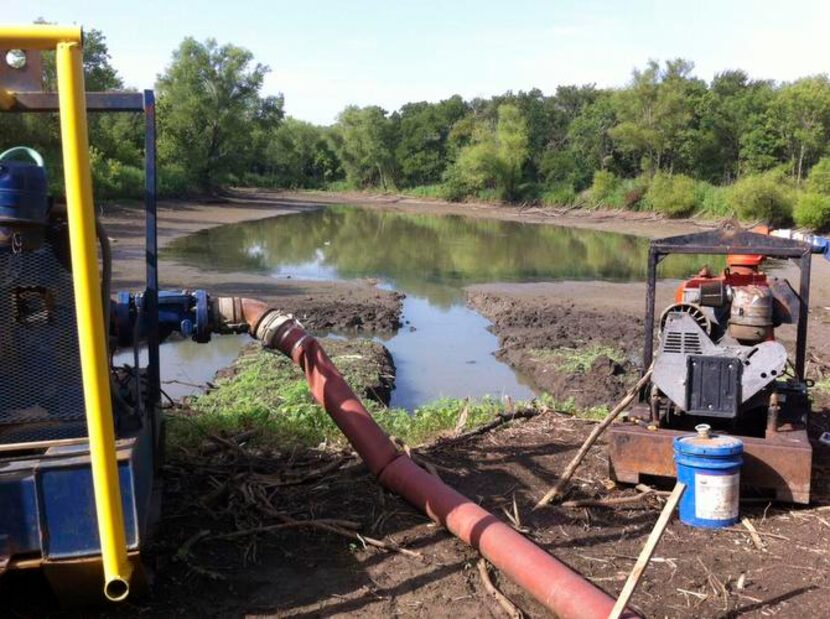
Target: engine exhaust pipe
[556, 586]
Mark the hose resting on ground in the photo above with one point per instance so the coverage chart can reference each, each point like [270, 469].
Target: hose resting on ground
[551, 582]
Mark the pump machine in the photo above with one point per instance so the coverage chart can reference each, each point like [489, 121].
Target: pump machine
[720, 361]
[80, 441]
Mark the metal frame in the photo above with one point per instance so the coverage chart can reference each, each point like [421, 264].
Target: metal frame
[723, 242]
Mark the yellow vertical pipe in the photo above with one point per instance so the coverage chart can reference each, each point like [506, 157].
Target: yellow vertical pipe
[90, 317]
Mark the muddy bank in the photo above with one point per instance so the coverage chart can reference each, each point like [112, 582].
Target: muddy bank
[352, 306]
[573, 351]
[627, 222]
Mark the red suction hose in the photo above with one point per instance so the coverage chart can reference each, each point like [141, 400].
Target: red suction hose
[561, 590]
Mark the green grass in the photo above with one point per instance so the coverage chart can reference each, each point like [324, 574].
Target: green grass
[267, 394]
[339, 186]
[426, 191]
[822, 386]
[577, 360]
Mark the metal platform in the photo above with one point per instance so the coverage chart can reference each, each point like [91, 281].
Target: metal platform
[48, 508]
[780, 464]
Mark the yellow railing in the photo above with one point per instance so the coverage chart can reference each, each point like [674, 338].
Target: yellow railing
[67, 41]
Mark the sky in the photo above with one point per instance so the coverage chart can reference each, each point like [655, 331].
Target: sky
[326, 54]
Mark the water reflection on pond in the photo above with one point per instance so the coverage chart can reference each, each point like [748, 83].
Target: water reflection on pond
[430, 258]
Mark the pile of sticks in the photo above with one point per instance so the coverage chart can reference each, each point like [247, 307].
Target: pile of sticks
[241, 493]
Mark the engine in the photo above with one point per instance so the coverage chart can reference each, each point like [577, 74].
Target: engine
[717, 355]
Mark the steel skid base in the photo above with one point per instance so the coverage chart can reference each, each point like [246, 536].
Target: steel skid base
[779, 464]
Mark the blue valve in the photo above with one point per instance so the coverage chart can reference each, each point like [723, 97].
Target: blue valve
[185, 312]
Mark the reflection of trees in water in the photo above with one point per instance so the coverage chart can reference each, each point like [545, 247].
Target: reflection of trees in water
[426, 255]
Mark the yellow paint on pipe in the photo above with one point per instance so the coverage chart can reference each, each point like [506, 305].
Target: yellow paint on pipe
[38, 36]
[7, 99]
[90, 317]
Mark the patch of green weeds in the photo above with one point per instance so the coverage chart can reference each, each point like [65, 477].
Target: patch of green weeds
[577, 360]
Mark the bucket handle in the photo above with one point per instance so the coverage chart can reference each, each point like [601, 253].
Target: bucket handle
[31, 152]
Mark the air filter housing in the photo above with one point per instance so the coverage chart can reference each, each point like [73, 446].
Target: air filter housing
[24, 195]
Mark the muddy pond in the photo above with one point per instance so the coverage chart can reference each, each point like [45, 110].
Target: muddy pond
[444, 348]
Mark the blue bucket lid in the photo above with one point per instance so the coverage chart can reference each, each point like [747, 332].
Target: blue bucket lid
[706, 444]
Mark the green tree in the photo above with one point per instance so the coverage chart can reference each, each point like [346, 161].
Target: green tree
[365, 140]
[732, 107]
[801, 111]
[422, 150]
[299, 154]
[655, 113]
[208, 104]
[496, 156]
[590, 146]
[818, 180]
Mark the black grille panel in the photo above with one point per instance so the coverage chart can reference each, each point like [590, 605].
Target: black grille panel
[682, 342]
[37, 432]
[40, 373]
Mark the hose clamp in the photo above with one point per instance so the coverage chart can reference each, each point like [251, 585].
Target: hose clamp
[270, 325]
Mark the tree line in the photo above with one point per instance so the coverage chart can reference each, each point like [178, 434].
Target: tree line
[667, 141]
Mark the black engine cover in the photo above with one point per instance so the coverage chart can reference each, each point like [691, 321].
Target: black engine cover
[713, 386]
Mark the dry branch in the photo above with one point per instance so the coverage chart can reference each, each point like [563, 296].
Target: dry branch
[503, 418]
[648, 550]
[509, 607]
[321, 523]
[612, 502]
[753, 534]
[597, 431]
[757, 532]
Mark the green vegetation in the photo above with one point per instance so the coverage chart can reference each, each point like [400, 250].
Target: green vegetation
[577, 360]
[818, 180]
[604, 187]
[266, 393]
[211, 116]
[813, 211]
[667, 141]
[764, 198]
[672, 194]
[822, 386]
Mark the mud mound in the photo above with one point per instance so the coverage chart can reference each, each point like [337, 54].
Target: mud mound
[588, 355]
[379, 313]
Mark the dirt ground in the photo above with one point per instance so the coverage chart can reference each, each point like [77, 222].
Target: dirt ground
[530, 325]
[207, 562]
[207, 565]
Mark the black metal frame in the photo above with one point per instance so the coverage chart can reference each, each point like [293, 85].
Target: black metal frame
[722, 242]
[136, 102]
